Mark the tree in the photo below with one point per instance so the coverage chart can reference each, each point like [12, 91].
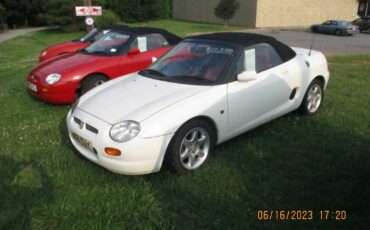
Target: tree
[21, 12]
[2, 15]
[226, 10]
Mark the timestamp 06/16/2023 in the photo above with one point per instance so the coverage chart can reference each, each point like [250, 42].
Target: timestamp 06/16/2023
[302, 215]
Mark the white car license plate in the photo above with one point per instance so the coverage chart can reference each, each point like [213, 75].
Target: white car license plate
[85, 143]
[32, 87]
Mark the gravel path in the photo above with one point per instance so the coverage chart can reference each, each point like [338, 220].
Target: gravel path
[9, 34]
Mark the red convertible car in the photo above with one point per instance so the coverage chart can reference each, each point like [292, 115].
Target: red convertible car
[76, 44]
[63, 79]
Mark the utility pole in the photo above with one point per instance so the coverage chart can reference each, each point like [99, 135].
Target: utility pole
[88, 3]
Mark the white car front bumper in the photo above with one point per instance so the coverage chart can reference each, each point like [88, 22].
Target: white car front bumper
[139, 155]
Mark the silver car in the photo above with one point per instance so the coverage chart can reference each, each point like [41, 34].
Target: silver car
[336, 27]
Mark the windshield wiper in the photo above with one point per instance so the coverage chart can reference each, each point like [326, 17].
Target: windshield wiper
[84, 51]
[99, 52]
[191, 78]
[152, 72]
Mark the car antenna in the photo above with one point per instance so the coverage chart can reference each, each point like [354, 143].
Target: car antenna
[313, 40]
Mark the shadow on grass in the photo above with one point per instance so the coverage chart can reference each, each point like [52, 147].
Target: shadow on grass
[24, 185]
[292, 163]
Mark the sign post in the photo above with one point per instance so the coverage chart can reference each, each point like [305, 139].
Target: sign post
[88, 11]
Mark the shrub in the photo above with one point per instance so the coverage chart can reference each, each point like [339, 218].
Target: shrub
[226, 10]
[107, 19]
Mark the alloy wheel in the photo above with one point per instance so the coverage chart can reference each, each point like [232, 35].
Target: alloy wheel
[194, 148]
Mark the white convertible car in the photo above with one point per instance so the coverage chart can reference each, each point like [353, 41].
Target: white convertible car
[206, 90]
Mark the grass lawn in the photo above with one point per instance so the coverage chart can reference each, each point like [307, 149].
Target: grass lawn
[293, 163]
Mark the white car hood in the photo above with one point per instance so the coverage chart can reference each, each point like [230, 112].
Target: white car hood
[134, 98]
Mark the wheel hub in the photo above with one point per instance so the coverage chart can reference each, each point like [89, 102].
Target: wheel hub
[194, 148]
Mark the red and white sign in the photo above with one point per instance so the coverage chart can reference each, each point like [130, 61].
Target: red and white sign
[89, 21]
[89, 11]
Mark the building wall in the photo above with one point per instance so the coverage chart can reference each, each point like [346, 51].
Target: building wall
[290, 13]
[203, 11]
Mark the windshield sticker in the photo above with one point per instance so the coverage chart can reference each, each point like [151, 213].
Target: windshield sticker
[113, 50]
[250, 60]
[142, 44]
[217, 50]
[105, 31]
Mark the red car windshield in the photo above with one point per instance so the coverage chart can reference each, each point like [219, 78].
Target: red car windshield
[193, 62]
[110, 44]
[88, 36]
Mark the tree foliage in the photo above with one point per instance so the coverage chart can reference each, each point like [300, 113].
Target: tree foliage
[226, 10]
[141, 10]
[108, 18]
[2, 15]
[21, 12]
[62, 12]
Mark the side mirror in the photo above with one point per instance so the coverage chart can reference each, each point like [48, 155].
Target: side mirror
[133, 51]
[247, 76]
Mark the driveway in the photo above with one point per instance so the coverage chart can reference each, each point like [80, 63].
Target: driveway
[328, 44]
[9, 34]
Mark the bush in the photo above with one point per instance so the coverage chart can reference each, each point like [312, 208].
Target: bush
[140, 10]
[107, 19]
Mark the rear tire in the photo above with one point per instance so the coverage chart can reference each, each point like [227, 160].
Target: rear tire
[315, 30]
[190, 147]
[313, 98]
[91, 82]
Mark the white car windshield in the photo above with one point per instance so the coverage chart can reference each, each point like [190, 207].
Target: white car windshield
[193, 62]
[110, 44]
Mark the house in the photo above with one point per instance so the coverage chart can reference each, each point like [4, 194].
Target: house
[273, 13]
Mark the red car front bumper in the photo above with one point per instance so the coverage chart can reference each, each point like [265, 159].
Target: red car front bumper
[60, 93]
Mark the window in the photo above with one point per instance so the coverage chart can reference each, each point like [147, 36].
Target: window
[259, 58]
[150, 42]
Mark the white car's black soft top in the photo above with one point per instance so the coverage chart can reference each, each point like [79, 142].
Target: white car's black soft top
[247, 39]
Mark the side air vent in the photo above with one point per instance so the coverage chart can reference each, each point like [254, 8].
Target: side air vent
[292, 95]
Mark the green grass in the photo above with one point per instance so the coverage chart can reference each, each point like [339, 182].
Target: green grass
[295, 162]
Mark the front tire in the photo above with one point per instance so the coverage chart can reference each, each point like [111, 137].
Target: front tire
[190, 147]
[91, 82]
[338, 33]
[313, 98]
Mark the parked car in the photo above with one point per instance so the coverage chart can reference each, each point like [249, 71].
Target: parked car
[363, 24]
[76, 44]
[206, 90]
[121, 51]
[336, 27]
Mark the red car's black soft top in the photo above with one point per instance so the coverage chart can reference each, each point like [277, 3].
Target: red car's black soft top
[247, 39]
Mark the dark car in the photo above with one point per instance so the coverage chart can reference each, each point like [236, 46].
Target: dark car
[336, 27]
[363, 24]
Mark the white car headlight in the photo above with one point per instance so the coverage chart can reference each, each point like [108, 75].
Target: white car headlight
[124, 131]
[52, 78]
[44, 53]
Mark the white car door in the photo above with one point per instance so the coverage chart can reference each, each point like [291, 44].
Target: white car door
[254, 102]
